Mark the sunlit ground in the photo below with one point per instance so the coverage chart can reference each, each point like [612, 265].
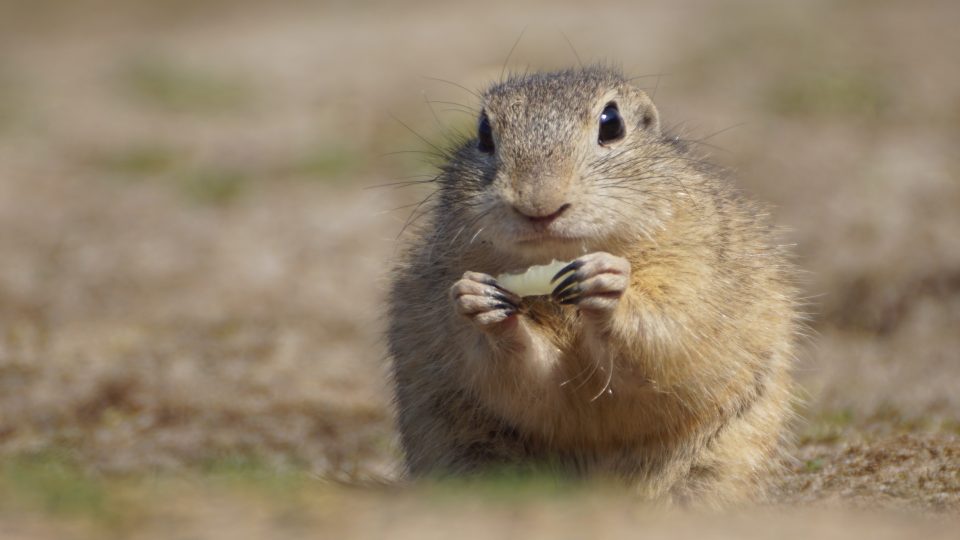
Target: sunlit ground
[192, 259]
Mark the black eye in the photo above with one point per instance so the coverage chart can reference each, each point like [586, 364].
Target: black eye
[485, 135]
[611, 124]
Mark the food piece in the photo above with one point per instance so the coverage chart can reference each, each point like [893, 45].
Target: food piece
[535, 281]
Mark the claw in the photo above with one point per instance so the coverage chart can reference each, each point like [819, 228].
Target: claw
[572, 267]
[571, 293]
[508, 293]
[505, 299]
[572, 279]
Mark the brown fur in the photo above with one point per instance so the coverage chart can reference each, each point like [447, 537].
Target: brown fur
[682, 389]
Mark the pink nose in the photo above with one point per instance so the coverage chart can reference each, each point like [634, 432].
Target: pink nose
[545, 219]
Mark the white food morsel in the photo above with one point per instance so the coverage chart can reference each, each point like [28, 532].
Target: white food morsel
[535, 281]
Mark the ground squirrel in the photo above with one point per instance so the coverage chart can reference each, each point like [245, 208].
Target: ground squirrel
[663, 356]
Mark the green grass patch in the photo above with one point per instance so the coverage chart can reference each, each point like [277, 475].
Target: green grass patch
[54, 484]
[202, 183]
[893, 418]
[828, 427]
[172, 87]
[138, 161]
[212, 185]
[833, 426]
[829, 93]
[327, 164]
[507, 485]
[251, 471]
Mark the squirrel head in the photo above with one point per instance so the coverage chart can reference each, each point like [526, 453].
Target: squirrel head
[561, 162]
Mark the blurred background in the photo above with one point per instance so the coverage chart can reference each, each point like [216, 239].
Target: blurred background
[193, 252]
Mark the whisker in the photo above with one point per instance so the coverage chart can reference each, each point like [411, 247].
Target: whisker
[433, 113]
[453, 103]
[454, 239]
[506, 60]
[461, 111]
[460, 86]
[596, 366]
[575, 377]
[419, 136]
[406, 183]
[416, 213]
[606, 386]
[438, 155]
[572, 49]
[475, 235]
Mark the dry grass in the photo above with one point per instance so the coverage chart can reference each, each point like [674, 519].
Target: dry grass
[192, 272]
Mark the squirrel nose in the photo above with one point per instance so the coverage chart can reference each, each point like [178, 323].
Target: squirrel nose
[544, 219]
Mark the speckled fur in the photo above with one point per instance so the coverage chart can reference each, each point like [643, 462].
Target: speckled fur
[683, 391]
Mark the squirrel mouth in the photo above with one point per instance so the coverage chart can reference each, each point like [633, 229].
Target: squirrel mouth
[544, 236]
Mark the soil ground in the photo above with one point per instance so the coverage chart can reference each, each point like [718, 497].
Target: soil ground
[193, 257]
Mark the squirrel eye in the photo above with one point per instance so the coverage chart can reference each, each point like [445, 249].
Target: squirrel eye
[485, 135]
[611, 124]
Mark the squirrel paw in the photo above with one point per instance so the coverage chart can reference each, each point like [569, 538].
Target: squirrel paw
[594, 282]
[482, 300]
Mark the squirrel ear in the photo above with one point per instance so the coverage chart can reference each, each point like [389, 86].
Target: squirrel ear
[649, 117]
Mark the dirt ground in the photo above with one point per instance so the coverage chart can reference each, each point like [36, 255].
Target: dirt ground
[193, 252]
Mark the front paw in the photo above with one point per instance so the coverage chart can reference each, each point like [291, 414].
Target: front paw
[481, 299]
[594, 283]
